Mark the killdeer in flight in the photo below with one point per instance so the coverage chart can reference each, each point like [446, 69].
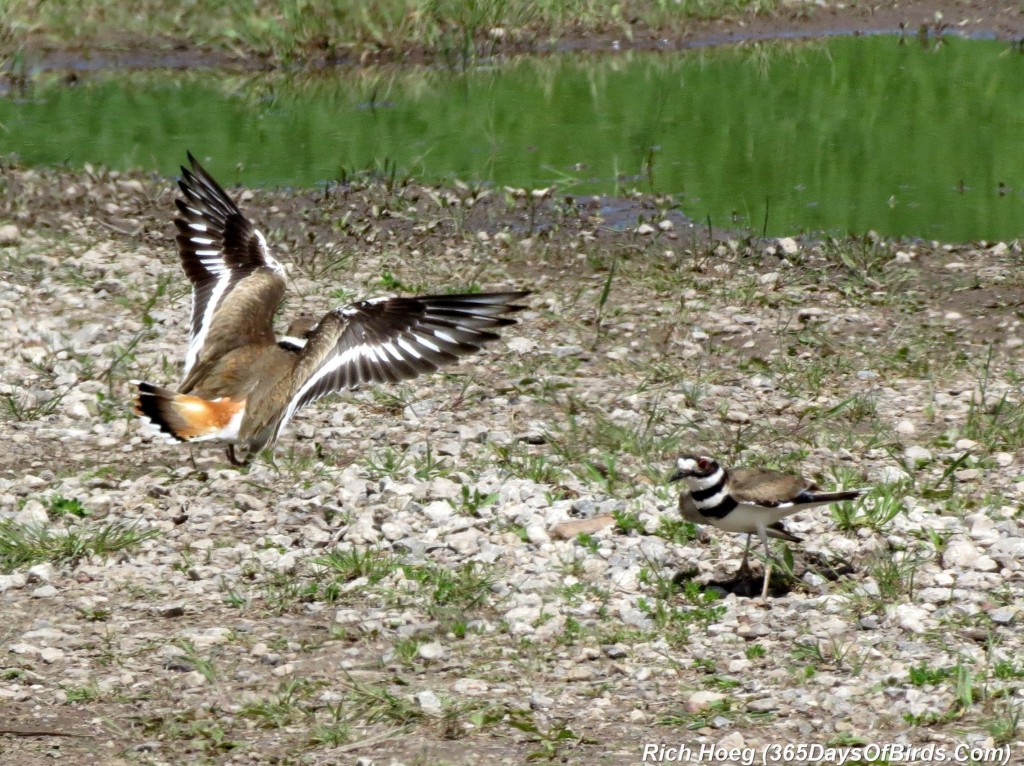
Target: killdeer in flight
[748, 500]
[241, 383]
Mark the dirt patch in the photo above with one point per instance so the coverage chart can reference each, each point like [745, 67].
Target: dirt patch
[389, 588]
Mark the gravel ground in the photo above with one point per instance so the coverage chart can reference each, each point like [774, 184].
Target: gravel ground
[396, 587]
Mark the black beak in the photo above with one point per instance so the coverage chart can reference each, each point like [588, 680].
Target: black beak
[678, 475]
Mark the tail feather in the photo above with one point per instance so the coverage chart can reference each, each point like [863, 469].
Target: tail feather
[188, 418]
[834, 497]
[779, 532]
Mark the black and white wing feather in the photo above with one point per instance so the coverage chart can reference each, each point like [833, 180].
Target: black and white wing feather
[387, 340]
[219, 247]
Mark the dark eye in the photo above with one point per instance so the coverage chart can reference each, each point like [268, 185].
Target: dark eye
[703, 464]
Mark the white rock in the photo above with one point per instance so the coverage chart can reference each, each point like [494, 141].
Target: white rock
[428, 702]
[537, 534]
[911, 618]
[24, 649]
[9, 235]
[963, 554]
[1003, 459]
[733, 741]
[917, 454]
[470, 686]
[51, 654]
[788, 245]
[16, 580]
[702, 700]
[906, 428]
[890, 474]
[539, 701]
[521, 345]
[435, 650]
[40, 572]
[1009, 551]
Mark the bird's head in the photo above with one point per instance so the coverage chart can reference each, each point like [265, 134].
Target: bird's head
[694, 467]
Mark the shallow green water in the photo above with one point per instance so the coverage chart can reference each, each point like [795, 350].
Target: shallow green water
[846, 136]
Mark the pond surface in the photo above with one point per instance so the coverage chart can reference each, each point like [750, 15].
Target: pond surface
[846, 135]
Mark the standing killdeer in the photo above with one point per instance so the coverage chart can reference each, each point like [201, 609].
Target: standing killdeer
[241, 383]
[748, 500]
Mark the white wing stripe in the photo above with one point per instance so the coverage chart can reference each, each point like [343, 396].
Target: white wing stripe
[408, 348]
[445, 336]
[427, 342]
[195, 344]
[316, 377]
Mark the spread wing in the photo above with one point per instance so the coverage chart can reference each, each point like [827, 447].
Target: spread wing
[392, 339]
[220, 250]
[767, 488]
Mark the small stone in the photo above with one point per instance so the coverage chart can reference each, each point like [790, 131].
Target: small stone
[435, 650]
[917, 454]
[9, 235]
[963, 554]
[615, 651]
[428, 702]
[911, 618]
[732, 742]
[26, 650]
[645, 228]
[890, 474]
[788, 245]
[470, 686]
[16, 580]
[40, 573]
[44, 591]
[168, 611]
[906, 428]
[536, 534]
[539, 701]
[1003, 615]
[702, 700]
[51, 654]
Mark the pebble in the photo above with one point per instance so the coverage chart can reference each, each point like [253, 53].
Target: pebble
[428, 702]
[9, 235]
[916, 454]
[434, 650]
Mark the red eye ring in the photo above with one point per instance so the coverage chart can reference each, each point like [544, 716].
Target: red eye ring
[703, 464]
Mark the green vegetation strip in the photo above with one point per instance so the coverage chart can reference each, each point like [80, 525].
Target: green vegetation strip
[23, 545]
[295, 30]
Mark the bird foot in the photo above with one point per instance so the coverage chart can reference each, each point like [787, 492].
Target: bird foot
[234, 460]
